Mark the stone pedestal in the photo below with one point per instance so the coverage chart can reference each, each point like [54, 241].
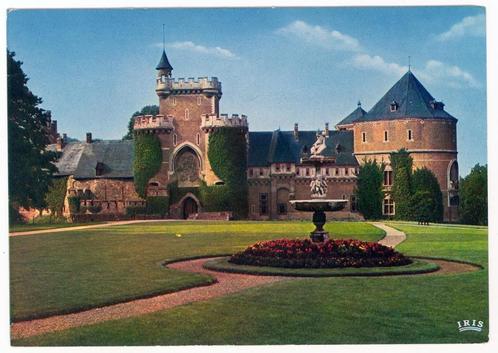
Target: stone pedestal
[319, 234]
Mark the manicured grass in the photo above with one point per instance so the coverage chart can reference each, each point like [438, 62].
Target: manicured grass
[405, 309]
[76, 270]
[417, 266]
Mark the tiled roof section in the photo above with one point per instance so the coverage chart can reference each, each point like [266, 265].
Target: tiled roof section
[164, 63]
[412, 99]
[357, 114]
[259, 147]
[267, 147]
[80, 159]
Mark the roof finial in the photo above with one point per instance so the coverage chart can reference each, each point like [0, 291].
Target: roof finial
[163, 39]
[359, 104]
[409, 63]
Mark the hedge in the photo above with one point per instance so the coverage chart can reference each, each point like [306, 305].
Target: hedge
[157, 205]
[56, 195]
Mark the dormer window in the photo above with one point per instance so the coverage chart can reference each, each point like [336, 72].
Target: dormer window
[393, 106]
[99, 169]
[437, 105]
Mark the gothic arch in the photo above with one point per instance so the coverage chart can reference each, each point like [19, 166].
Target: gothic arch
[452, 175]
[180, 148]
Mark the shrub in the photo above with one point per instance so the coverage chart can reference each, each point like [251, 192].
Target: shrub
[300, 253]
[94, 208]
[74, 204]
[157, 205]
[430, 207]
[56, 194]
[401, 191]
[135, 210]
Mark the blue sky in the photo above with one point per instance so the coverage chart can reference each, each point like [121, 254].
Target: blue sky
[94, 68]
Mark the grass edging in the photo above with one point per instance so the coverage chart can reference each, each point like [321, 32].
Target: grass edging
[147, 295]
[222, 265]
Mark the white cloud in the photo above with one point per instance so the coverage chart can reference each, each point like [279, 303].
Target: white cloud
[317, 35]
[377, 63]
[452, 75]
[469, 26]
[201, 49]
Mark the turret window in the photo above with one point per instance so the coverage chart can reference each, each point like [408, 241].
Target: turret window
[363, 137]
[198, 137]
[175, 139]
[187, 114]
[388, 207]
[199, 100]
[409, 135]
[386, 136]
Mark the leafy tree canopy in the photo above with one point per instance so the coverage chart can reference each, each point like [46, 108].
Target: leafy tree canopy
[474, 196]
[30, 164]
[147, 110]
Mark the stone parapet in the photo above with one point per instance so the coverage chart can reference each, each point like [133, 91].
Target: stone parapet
[166, 85]
[211, 121]
[153, 123]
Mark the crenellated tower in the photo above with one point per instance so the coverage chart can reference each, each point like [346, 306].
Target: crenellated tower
[188, 113]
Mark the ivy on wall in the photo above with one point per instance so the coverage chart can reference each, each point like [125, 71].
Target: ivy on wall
[176, 193]
[228, 157]
[56, 195]
[147, 161]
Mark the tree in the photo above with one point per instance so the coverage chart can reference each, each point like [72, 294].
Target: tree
[147, 110]
[425, 183]
[30, 163]
[423, 205]
[474, 196]
[401, 164]
[369, 191]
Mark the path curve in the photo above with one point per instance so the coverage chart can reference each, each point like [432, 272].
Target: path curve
[227, 283]
[393, 236]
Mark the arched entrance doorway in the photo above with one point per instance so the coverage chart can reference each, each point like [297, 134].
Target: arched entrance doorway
[189, 207]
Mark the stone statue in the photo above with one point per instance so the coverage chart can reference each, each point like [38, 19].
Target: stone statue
[318, 146]
[318, 187]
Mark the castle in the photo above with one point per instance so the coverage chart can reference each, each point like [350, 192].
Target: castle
[407, 116]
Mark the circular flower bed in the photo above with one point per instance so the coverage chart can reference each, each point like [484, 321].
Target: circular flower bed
[299, 253]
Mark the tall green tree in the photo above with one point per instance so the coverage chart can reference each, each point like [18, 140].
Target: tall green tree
[30, 163]
[474, 196]
[401, 192]
[147, 110]
[425, 183]
[369, 192]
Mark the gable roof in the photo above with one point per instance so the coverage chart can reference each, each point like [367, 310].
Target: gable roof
[164, 63]
[266, 147]
[80, 159]
[412, 99]
[355, 115]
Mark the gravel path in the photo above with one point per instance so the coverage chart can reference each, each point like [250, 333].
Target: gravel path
[226, 283]
[101, 225]
[393, 236]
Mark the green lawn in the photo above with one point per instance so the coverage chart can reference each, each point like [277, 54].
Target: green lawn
[70, 271]
[404, 309]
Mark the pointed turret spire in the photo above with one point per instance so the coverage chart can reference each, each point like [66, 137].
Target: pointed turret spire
[164, 63]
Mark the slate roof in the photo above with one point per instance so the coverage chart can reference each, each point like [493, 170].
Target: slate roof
[164, 63]
[413, 100]
[266, 147]
[357, 114]
[80, 159]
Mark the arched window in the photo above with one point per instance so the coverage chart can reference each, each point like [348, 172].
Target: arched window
[187, 114]
[453, 176]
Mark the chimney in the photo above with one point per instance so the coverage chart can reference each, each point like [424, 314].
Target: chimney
[326, 131]
[64, 138]
[296, 131]
[54, 126]
[59, 144]
[88, 137]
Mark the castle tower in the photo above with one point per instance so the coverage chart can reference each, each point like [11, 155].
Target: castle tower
[408, 117]
[188, 113]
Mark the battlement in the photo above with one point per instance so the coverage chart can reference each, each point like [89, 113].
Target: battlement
[211, 121]
[153, 123]
[167, 85]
